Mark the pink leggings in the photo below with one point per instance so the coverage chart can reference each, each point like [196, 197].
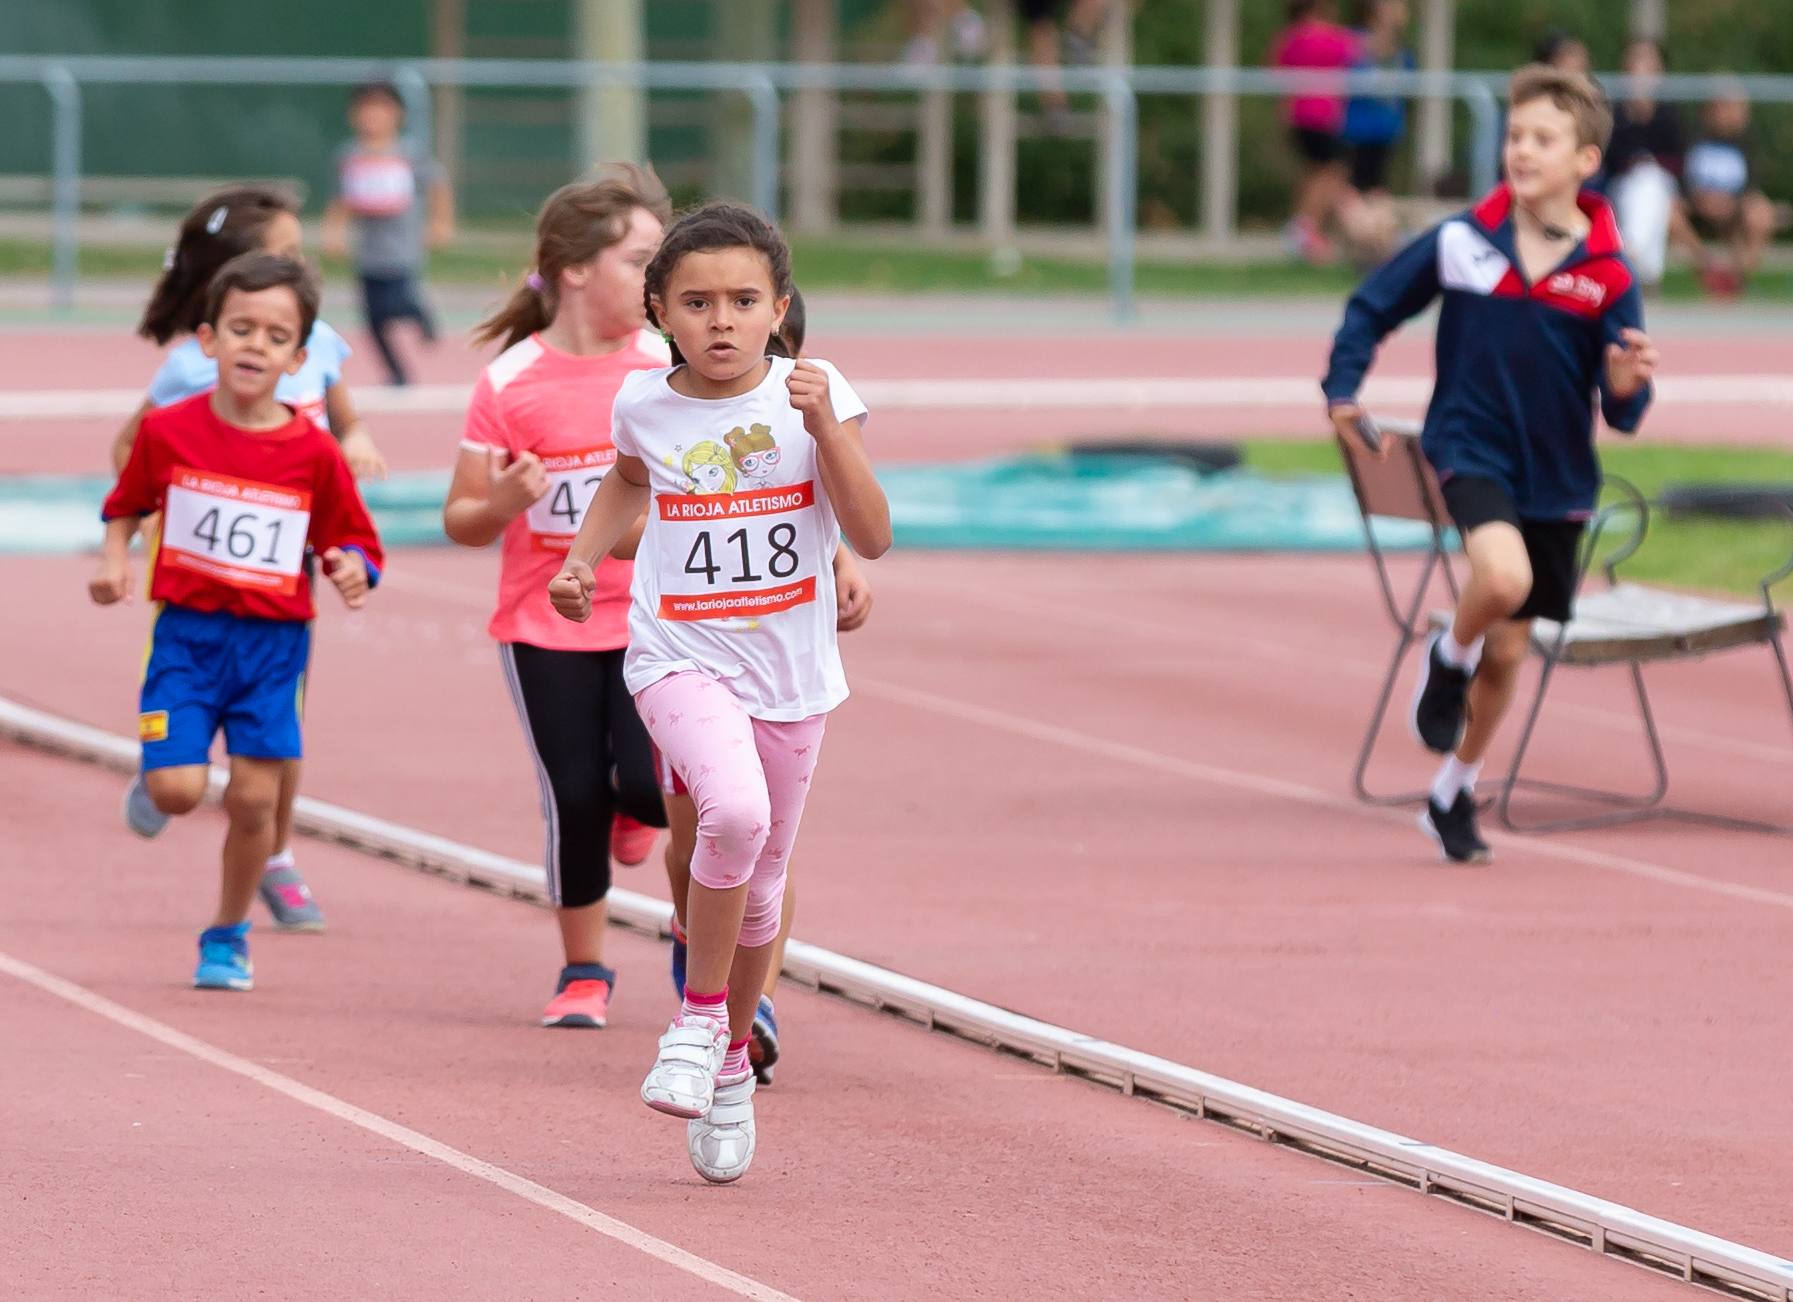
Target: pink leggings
[749, 779]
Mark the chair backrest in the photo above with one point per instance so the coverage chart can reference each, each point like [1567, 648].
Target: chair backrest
[1402, 487]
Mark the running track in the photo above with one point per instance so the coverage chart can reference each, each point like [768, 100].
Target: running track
[1065, 785]
[1107, 792]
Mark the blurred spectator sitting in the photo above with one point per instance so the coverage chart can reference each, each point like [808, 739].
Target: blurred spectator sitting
[1313, 40]
[1048, 48]
[1562, 50]
[1723, 204]
[1374, 125]
[1643, 163]
[928, 19]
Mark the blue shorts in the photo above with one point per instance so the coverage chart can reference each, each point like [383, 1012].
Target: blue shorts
[212, 669]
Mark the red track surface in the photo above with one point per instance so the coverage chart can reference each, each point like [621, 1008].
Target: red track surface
[1107, 792]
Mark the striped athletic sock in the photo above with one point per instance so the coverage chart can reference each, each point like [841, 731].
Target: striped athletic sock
[714, 1007]
[736, 1064]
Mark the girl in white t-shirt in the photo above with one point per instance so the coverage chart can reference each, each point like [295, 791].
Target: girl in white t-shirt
[732, 654]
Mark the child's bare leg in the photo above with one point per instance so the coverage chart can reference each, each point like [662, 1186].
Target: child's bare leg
[283, 814]
[776, 967]
[177, 790]
[1491, 690]
[582, 932]
[712, 915]
[681, 840]
[1500, 579]
[250, 802]
[745, 981]
[1755, 227]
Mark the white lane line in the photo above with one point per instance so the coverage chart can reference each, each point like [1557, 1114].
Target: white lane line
[1104, 392]
[330, 1105]
[1217, 775]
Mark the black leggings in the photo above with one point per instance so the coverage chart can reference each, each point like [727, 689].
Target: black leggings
[389, 299]
[592, 758]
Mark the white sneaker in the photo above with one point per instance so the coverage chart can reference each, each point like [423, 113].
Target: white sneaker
[721, 1144]
[682, 1081]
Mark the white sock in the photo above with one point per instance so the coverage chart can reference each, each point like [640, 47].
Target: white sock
[1457, 655]
[282, 860]
[1454, 777]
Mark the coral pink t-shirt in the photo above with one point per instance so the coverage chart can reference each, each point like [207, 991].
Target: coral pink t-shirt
[1312, 43]
[534, 398]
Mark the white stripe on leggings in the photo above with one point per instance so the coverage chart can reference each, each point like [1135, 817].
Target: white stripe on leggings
[551, 811]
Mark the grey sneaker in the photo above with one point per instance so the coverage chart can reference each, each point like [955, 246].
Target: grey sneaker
[289, 899]
[141, 814]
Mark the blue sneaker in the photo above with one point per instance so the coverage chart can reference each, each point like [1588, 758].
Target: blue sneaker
[678, 959]
[224, 959]
[762, 1050]
[141, 814]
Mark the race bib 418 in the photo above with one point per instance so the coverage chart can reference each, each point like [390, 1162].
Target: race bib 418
[737, 555]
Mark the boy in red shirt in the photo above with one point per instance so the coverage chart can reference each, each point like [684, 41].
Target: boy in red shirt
[244, 484]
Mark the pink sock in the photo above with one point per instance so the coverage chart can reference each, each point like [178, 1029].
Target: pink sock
[736, 1064]
[714, 1007]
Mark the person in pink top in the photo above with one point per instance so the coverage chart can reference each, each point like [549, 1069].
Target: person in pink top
[536, 445]
[1313, 40]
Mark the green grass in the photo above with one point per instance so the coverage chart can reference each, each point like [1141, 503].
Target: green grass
[1683, 552]
[843, 264]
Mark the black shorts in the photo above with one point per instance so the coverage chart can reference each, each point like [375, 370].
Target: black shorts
[1369, 166]
[1316, 146]
[1553, 546]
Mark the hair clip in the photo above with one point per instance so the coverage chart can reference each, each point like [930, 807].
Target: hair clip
[215, 222]
[535, 282]
[168, 258]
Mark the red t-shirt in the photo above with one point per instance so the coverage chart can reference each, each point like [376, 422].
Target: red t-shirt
[238, 509]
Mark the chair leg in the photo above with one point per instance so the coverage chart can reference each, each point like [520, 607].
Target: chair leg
[1378, 717]
[1629, 808]
[1780, 659]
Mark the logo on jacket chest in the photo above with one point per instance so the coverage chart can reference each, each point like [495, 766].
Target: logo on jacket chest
[1576, 288]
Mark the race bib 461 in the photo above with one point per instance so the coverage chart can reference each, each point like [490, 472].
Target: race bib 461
[737, 555]
[239, 532]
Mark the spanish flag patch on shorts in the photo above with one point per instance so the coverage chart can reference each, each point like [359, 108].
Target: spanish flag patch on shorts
[153, 726]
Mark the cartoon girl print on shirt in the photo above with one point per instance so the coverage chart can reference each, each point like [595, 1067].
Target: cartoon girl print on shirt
[708, 468]
[755, 453]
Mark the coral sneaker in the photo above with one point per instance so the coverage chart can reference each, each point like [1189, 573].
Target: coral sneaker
[582, 998]
[631, 842]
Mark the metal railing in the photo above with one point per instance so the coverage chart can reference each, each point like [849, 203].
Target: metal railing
[1118, 89]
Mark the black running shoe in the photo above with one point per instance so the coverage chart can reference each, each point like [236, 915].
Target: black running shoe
[1455, 831]
[1438, 704]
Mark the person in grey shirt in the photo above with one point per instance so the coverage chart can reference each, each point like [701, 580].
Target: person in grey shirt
[396, 201]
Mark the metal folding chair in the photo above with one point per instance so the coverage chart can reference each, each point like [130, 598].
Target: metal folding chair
[1402, 487]
[1631, 624]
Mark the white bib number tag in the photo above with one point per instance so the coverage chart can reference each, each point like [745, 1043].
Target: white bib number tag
[573, 479]
[380, 185]
[737, 555]
[239, 532]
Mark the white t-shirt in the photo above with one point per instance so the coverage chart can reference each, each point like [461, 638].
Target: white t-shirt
[734, 577]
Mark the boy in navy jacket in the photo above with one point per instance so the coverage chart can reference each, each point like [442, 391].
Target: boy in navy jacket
[1540, 311]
